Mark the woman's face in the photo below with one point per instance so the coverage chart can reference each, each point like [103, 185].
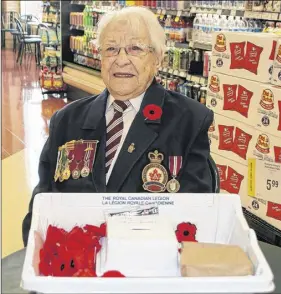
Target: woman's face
[124, 75]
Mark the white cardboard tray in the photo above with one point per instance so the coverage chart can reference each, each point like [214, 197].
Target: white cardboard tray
[218, 217]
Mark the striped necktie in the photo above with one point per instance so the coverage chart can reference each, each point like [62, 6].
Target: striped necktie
[114, 132]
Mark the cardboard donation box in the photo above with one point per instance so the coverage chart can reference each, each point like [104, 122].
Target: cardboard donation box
[233, 177]
[244, 55]
[214, 219]
[252, 103]
[264, 190]
[238, 141]
[234, 141]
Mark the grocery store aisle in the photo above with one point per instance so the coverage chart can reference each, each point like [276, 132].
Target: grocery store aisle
[25, 120]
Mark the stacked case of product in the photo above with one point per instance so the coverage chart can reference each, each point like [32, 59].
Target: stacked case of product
[247, 124]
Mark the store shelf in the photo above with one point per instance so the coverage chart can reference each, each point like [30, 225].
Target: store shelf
[76, 27]
[193, 78]
[265, 15]
[54, 91]
[87, 80]
[171, 12]
[87, 54]
[202, 46]
[82, 68]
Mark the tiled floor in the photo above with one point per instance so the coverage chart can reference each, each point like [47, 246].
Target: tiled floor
[25, 120]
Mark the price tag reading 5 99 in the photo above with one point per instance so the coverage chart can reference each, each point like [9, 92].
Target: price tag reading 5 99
[271, 184]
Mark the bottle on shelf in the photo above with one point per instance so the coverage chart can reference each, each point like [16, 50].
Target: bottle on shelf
[197, 23]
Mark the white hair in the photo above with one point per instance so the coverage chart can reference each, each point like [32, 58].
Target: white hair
[136, 16]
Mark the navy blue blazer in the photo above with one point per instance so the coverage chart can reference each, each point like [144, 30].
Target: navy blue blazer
[181, 131]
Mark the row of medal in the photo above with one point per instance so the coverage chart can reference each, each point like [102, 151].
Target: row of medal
[75, 159]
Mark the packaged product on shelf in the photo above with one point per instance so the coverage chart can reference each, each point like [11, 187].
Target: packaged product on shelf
[258, 5]
[57, 81]
[276, 6]
[187, 88]
[276, 74]
[207, 63]
[273, 6]
[244, 55]
[203, 95]
[235, 141]
[249, 102]
[269, 27]
[196, 92]
[233, 177]
[47, 80]
[264, 190]
[53, 59]
[265, 147]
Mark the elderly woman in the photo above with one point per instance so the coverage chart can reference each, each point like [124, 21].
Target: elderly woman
[135, 136]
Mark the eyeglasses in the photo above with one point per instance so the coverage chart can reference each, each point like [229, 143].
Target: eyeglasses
[133, 50]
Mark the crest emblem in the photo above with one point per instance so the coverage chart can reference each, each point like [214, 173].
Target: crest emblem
[154, 175]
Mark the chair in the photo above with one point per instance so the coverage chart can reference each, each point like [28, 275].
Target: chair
[8, 24]
[29, 20]
[215, 175]
[27, 40]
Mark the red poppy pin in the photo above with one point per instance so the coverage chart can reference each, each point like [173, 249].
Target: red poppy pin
[152, 112]
[186, 232]
[113, 274]
[65, 254]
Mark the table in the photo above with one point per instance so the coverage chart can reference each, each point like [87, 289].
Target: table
[12, 268]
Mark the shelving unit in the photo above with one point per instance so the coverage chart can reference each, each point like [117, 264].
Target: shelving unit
[51, 19]
[69, 29]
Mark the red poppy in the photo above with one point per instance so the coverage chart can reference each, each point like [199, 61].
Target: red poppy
[97, 231]
[82, 273]
[152, 112]
[103, 229]
[112, 274]
[186, 232]
[64, 254]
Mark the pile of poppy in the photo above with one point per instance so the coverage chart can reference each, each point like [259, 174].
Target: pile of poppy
[72, 254]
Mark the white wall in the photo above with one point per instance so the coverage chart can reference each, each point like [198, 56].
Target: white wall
[32, 7]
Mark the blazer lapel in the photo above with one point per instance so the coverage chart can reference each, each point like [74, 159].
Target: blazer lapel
[142, 133]
[94, 127]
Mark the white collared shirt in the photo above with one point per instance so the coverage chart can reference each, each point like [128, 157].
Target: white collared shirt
[128, 117]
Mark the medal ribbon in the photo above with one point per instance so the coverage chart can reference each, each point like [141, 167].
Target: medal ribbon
[87, 155]
[175, 164]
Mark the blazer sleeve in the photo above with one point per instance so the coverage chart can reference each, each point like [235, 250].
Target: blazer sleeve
[45, 179]
[196, 175]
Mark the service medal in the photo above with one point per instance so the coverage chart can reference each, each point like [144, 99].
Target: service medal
[76, 173]
[66, 174]
[89, 153]
[175, 164]
[154, 175]
[85, 171]
[173, 186]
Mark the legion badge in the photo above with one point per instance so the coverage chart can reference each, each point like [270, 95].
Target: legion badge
[131, 148]
[154, 175]
[175, 164]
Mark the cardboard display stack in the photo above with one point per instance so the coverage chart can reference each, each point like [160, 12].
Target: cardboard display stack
[245, 136]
